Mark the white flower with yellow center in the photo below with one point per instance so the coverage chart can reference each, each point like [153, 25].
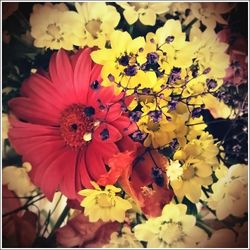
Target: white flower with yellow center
[104, 204]
[54, 26]
[99, 21]
[174, 228]
[230, 193]
[18, 180]
[209, 50]
[174, 171]
[210, 13]
[124, 239]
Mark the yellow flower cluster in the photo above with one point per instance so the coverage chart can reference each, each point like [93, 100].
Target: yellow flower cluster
[230, 192]
[144, 11]
[54, 26]
[209, 14]
[197, 165]
[173, 229]
[168, 75]
[171, 49]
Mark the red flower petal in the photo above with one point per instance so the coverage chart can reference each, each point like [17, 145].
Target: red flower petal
[82, 71]
[107, 133]
[40, 89]
[124, 125]
[116, 168]
[40, 113]
[61, 74]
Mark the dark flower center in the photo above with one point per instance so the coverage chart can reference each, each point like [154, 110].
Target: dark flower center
[130, 70]
[89, 111]
[104, 134]
[95, 85]
[76, 124]
[124, 60]
[152, 58]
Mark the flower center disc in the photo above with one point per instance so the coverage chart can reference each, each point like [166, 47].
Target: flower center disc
[105, 201]
[93, 27]
[74, 124]
[54, 32]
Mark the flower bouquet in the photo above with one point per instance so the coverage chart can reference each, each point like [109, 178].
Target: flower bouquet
[124, 124]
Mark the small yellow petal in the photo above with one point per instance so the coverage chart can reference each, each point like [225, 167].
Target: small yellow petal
[87, 136]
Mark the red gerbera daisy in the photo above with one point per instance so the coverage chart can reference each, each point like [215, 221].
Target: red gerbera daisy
[69, 126]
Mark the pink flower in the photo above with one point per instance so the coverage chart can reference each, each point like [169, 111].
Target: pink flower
[82, 233]
[68, 125]
[236, 73]
[19, 228]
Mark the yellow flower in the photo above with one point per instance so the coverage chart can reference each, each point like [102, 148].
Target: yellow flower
[195, 174]
[230, 193]
[221, 171]
[145, 12]
[55, 27]
[196, 126]
[124, 239]
[159, 134]
[210, 13]
[119, 62]
[174, 7]
[179, 51]
[197, 167]
[173, 229]
[17, 179]
[217, 107]
[99, 21]
[170, 125]
[174, 171]
[104, 204]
